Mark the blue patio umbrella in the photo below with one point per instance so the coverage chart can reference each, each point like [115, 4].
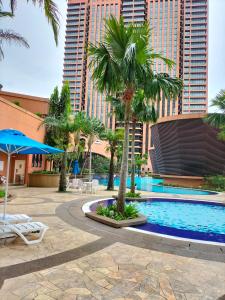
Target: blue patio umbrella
[15, 142]
[76, 169]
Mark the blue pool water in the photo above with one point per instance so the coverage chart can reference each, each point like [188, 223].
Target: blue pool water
[182, 218]
[152, 185]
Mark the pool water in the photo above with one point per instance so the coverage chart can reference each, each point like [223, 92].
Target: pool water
[182, 215]
[155, 185]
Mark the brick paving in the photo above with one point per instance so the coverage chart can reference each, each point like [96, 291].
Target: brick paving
[81, 259]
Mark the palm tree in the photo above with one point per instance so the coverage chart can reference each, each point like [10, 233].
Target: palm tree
[9, 36]
[122, 63]
[92, 129]
[67, 126]
[141, 160]
[61, 125]
[217, 119]
[114, 139]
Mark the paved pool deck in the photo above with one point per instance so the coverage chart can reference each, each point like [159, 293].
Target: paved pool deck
[82, 259]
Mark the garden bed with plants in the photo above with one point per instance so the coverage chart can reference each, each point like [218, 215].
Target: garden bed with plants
[43, 179]
[111, 217]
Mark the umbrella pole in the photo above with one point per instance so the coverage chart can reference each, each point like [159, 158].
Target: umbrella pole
[6, 185]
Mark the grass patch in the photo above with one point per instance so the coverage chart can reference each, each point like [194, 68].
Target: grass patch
[2, 193]
[133, 195]
[130, 212]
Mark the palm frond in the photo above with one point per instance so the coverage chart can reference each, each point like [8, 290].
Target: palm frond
[162, 83]
[10, 36]
[5, 14]
[13, 6]
[221, 134]
[215, 119]
[52, 14]
[219, 101]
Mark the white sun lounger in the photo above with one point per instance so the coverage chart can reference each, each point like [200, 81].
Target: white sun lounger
[22, 229]
[15, 218]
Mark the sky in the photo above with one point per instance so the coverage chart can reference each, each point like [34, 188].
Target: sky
[37, 70]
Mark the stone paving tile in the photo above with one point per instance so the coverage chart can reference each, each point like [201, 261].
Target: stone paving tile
[120, 271]
[114, 273]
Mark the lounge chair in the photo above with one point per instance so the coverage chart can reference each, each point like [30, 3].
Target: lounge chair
[22, 229]
[17, 218]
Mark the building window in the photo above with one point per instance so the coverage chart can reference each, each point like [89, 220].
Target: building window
[37, 160]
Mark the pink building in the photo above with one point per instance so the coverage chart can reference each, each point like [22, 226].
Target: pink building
[18, 111]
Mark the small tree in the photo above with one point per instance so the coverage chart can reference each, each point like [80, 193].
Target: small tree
[92, 129]
[62, 124]
[217, 119]
[114, 139]
[140, 160]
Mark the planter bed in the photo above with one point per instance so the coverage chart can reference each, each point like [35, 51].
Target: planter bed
[43, 180]
[116, 224]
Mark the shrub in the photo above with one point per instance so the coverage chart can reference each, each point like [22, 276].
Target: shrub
[44, 172]
[38, 114]
[17, 103]
[2, 193]
[215, 182]
[130, 212]
[133, 195]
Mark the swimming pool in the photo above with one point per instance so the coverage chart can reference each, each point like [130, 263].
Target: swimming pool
[155, 185]
[179, 218]
[184, 218]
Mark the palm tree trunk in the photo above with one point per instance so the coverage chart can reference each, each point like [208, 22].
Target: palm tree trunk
[124, 163]
[90, 165]
[110, 186]
[132, 187]
[62, 181]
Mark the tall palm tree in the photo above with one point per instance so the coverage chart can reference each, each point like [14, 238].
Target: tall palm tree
[9, 36]
[121, 64]
[217, 119]
[114, 138]
[92, 129]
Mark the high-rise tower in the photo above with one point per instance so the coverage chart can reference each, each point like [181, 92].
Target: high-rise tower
[179, 32]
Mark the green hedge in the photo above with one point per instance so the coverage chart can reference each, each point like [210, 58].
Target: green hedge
[215, 183]
[45, 172]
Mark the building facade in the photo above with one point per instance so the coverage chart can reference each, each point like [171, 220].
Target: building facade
[179, 32]
[21, 112]
[185, 145]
